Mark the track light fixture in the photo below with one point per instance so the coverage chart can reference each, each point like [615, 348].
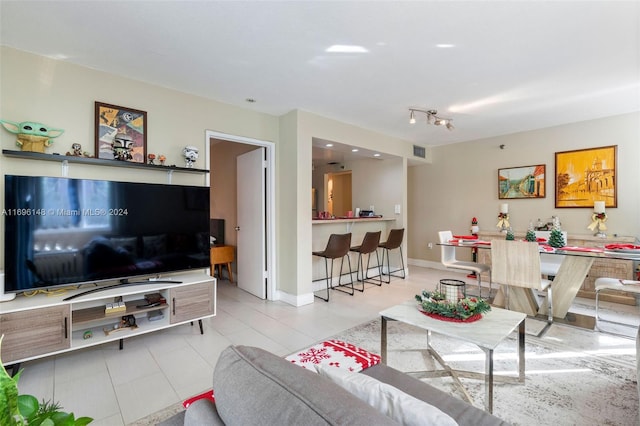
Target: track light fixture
[432, 118]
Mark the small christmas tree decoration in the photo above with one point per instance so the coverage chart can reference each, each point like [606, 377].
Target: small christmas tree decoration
[556, 239]
[531, 235]
[510, 236]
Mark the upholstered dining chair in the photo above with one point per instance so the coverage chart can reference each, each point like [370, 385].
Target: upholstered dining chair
[448, 259]
[550, 263]
[337, 248]
[516, 266]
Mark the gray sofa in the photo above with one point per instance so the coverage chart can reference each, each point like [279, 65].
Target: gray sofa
[255, 387]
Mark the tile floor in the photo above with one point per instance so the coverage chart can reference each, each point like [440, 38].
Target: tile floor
[159, 369]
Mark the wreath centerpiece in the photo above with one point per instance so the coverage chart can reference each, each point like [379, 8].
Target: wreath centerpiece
[467, 309]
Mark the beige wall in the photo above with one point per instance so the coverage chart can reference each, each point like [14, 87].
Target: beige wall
[462, 182]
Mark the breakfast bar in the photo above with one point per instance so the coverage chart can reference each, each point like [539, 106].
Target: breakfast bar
[357, 226]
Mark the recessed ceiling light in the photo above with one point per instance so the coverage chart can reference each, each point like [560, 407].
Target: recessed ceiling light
[329, 145]
[376, 155]
[346, 48]
[445, 45]
[354, 150]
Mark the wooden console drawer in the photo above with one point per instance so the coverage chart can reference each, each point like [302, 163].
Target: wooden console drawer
[191, 302]
[34, 332]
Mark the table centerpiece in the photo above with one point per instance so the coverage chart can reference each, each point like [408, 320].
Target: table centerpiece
[435, 305]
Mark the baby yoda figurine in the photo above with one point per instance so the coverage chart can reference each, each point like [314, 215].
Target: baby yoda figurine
[34, 137]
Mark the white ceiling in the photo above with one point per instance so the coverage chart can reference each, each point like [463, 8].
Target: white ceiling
[514, 66]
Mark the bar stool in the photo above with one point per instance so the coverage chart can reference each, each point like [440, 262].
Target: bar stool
[337, 248]
[369, 245]
[393, 242]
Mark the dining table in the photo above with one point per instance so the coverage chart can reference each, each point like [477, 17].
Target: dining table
[575, 265]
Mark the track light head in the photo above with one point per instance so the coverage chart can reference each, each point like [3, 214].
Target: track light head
[412, 118]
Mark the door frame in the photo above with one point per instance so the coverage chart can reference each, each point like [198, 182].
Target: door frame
[270, 196]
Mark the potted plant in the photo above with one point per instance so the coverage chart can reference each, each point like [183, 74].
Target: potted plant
[22, 410]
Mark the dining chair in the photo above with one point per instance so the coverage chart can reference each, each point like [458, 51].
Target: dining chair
[337, 248]
[550, 263]
[448, 259]
[516, 266]
[614, 284]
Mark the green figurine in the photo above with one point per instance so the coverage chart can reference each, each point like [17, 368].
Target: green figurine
[32, 136]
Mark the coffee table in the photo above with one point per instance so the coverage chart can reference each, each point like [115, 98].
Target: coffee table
[486, 333]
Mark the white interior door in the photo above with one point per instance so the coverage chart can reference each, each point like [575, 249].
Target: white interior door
[251, 225]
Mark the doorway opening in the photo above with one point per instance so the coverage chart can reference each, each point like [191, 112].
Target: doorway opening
[264, 205]
[338, 193]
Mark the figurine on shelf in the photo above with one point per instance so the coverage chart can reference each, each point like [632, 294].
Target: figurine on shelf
[76, 151]
[162, 159]
[151, 158]
[190, 155]
[33, 137]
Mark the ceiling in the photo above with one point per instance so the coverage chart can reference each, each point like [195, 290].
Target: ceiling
[506, 66]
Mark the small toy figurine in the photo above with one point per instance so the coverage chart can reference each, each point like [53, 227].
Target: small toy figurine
[162, 159]
[77, 151]
[151, 158]
[190, 155]
[122, 147]
[33, 137]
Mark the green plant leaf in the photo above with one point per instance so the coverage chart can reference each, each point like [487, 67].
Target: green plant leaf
[82, 421]
[28, 406]
[8, 395]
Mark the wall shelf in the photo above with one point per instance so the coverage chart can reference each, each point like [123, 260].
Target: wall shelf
[97, 161]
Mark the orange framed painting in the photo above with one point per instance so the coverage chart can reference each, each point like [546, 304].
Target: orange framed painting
[587, 175]
[522, 182]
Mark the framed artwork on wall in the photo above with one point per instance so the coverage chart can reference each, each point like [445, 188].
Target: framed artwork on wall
[120, 133]
[522, 182]
[586, 175]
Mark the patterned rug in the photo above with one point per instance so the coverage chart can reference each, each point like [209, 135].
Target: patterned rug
[573, 376]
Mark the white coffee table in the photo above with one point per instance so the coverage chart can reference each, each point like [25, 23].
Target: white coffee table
[486, 333]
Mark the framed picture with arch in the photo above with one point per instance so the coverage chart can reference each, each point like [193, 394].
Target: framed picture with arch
[587, 175]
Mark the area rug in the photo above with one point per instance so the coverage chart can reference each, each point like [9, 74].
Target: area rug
[573, 376]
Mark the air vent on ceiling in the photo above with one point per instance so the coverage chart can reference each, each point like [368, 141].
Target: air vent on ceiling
[419, 151]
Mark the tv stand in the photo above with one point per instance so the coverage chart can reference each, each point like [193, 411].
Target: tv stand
[41, 325]
[122, 283]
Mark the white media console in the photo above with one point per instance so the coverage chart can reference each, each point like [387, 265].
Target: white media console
[43, 325]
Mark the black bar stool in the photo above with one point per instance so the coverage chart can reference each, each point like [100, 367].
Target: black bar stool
[369, 245]
[393, 242]
[337, 248]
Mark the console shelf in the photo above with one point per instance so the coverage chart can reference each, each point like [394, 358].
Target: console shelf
[83, 316]
[39, 326]
[97, 161]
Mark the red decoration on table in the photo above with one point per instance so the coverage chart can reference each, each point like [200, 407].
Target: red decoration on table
[472, 318]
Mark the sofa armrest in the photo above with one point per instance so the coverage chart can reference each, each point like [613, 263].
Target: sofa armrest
[202, 412]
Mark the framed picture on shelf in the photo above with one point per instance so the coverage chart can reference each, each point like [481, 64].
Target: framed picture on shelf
[120, 133]
[586, 175]
[522, 182]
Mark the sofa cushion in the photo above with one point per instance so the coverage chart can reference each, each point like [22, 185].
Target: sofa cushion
[253, 386]
[463, 413]
[390, 401]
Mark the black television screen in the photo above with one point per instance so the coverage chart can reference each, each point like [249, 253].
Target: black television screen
[61, 231]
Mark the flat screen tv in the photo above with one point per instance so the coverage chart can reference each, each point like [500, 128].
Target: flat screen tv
[61, 231]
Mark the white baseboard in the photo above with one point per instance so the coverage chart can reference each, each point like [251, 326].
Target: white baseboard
[295, 300]
[426, 264]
